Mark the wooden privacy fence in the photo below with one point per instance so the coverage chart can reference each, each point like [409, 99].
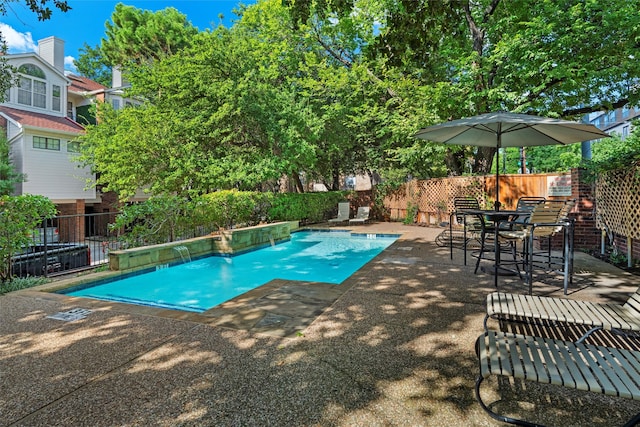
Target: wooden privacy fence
[610, 206]
[431, 201]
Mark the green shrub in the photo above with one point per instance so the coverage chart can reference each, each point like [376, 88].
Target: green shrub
[159, 219]
[228, 208]
[163, 219]
[305, 207]
[412, 211]
[17, 283]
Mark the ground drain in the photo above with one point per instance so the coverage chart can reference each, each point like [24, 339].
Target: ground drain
[71, 315]
[272, 320]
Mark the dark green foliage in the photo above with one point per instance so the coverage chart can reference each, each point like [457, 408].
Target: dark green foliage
[305, 207]
[615, 156]
[330, 93]
[8, 175]
[558, 59]
[616, 153]
[229, 208]
[158, 220]
[140, 36]
[86, 115]
[164, 219]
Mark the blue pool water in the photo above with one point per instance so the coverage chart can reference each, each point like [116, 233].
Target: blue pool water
[328, 257]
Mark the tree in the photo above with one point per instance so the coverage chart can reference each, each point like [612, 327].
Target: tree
[140, 36]
[220, 114]
[19, 216]
[92, 64]
[242, 106]
[365, 108]
[615, 153]
[7, 79]
[39, 7]
[561, 59]
[8, 175]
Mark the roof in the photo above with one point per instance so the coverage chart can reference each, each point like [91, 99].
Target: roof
[42, 121]
[83, 84]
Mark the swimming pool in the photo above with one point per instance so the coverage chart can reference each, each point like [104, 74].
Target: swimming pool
[315, 256]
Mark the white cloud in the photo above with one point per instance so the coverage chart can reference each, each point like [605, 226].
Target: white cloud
[68, 64]
[17, 42]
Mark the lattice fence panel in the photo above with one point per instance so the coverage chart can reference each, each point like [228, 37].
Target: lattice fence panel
[434, 197]
[398, 201]
[618, 202]
[437, 194]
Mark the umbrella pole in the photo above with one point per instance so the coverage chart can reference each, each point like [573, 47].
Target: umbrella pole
[497, 202]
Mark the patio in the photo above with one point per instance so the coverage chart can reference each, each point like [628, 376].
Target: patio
[392, 347]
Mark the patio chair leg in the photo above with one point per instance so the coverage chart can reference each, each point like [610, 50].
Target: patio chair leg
[451, 236]
[633, 421]
[514, 253]
[482, 242]
[566, 261]
[492, 414]
[530, 264]
[486, 318]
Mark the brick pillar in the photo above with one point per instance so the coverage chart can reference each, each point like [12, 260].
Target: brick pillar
[79, 220]
[586, 234]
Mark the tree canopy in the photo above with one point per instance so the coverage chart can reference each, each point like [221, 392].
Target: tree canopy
[557, 58]
[138, 36]
[328, 88]
[92, 64]
[236, 108]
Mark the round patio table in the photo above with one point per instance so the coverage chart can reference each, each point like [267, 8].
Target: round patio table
[496, 216]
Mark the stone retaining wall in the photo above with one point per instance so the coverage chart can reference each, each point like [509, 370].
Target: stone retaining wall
[227, 242]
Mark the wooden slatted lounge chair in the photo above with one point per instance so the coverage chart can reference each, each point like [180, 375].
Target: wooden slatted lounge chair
[343, 214]
[362, 216]
[611, 317]
[605, 370]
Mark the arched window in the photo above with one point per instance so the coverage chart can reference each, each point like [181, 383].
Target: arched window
[32, 89]
[32, 70]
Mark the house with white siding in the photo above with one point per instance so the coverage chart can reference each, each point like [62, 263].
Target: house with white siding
[43, 116]
[42, 139]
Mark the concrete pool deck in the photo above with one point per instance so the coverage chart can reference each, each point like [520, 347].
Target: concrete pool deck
[391, 346]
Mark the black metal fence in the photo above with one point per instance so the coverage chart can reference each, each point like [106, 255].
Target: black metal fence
[67, 243]
[70, 243]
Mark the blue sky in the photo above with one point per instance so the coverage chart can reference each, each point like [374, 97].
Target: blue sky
[84, 23]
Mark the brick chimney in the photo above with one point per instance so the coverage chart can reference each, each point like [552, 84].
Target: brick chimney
[51, 49]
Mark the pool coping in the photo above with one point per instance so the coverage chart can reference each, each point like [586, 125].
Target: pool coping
[279, 307]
